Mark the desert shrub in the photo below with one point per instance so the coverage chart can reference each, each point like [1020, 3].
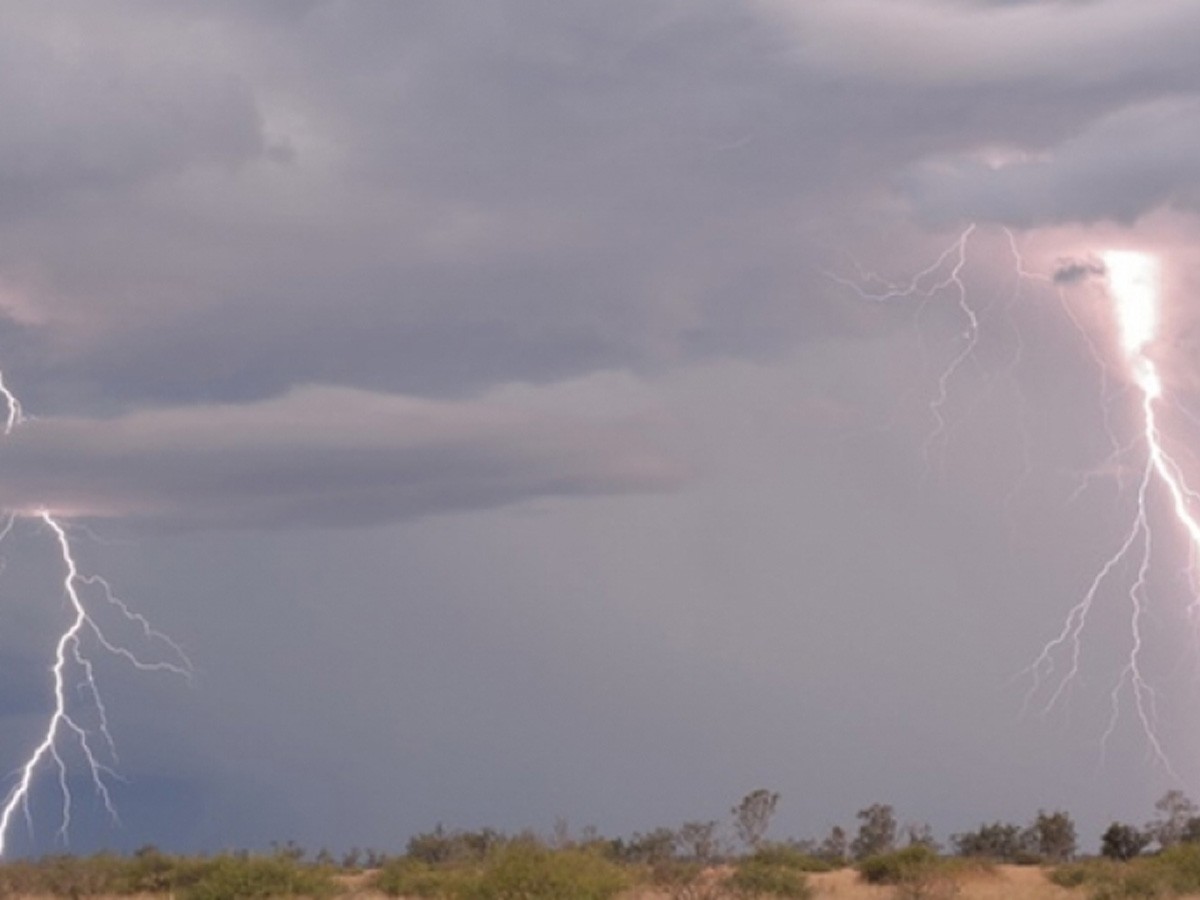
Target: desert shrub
[1140, 883]
[528, 871]
[756, 878]
[651, 847]
[899, 866]
[442, 846]
[1074, 875]
[792, 858]
[681, 879]
[1001, 841]
[668, 872]
[222, 877]
[1108, 880]
[413, 878]
[64, 876]
[1177, 867]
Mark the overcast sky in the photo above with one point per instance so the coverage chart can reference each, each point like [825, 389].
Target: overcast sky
[495, 402]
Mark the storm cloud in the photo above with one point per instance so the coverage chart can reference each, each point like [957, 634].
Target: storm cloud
[321, 456]
[507, 354]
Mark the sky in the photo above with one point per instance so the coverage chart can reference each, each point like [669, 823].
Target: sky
[497, 403]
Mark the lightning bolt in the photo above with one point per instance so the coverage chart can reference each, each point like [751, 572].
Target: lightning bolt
[943, 275]
[1133, 286]
[72, 660]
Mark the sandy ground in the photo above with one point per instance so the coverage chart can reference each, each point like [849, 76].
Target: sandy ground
[1005, 883]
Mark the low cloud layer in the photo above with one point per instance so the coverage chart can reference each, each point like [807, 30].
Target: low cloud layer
[322, 457]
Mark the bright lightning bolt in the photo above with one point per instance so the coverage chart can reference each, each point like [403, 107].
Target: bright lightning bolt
[64, 728]
[1134, 288]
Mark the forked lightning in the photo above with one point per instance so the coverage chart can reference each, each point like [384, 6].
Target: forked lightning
[64, 728]
[1133, 284]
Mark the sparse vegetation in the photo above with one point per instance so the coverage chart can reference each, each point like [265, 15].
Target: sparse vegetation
[524, 870]
[753, 878]
[693, 862]
[408, 877]
[1175, 872]
[151, 872]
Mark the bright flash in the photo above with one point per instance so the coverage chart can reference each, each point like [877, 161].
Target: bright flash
[1133, 280]
[1134, 284]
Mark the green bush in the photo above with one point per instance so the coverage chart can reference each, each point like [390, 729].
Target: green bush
[1172, 873]
[756, 878]
[414, 878]
[790, 858]
[223, 877]
[441, 846]
[1078, 874]
[152, 872]
[1177, 867]
[65, 876]
[528, 871]
[899, 866]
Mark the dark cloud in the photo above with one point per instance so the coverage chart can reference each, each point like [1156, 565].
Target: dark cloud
[550, 193]
[1073, 271]
[322, 457]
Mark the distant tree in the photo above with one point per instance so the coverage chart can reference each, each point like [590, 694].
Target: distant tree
[920, 834]
[1053, 836]
[836, 846]
[1123, 842]
[752, 816]
[433, 847]
[999, 841]
[1175, 808]
[1191, 831]
[652, 847]
[442, 846]
[876, 831]
[699, 840]
[351, 858]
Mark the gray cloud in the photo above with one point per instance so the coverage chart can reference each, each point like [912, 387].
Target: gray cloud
[80, 117]
[322, 456]
[548, 194]
[1119, 168]
[931, 44]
